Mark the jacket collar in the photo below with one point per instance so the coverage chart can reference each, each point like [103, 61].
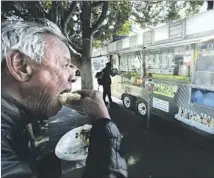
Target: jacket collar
[15, 114]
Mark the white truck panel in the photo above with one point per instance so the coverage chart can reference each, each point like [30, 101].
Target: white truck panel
[200, 23]
[161, 33]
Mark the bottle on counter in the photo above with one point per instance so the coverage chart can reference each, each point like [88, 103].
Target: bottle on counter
[208, 120]
[205, 119]
[191, 115]
[182, 112]
[185, 114]
[188, 114]
[198, 118]
[202, 118]
[212, 122]
[195, 117]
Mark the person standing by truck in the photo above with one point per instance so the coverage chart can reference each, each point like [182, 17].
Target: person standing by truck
[107, 73]
[104, 79]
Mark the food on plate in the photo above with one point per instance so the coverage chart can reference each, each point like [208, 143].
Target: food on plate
[67, 98]
[85, 134]
[74, 144]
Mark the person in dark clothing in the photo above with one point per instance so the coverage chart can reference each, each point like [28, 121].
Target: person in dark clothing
[107, 73]
[36, 67]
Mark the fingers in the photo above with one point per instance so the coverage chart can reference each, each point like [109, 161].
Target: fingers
[87, 102]
[76, 105]
[84, 93]
[75, 102]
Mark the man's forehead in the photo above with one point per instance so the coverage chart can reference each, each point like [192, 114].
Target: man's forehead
[56, 47]
[54, 40]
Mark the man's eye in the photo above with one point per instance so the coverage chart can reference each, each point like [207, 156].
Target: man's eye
[66, 65]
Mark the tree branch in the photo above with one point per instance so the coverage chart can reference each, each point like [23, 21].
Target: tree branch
[137, 21]
[101, 18]
[45, 14]
[155, 2]
[97, 4]
[99, 56]
[76, 58]
[68, 16]
[77, 49]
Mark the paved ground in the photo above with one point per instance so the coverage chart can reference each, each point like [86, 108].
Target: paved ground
[164, 151]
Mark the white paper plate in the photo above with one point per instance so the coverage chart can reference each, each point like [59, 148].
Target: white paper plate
[72, 148]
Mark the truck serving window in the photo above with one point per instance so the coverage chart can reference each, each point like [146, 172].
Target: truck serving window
[205, 64]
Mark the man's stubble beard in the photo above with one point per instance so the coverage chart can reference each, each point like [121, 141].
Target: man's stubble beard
[38, 101]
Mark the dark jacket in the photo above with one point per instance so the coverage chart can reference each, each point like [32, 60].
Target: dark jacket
[104, 159]
[107, 73]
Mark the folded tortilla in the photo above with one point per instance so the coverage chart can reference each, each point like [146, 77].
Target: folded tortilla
[67, 98]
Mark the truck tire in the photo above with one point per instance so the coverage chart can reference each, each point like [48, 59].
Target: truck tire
[128, 101]
[141, 107]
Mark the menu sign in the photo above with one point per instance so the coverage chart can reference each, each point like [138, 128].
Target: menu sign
[165, 89]
[160, 104]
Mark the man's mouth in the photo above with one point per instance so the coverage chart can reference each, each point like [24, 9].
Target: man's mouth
[66, 91]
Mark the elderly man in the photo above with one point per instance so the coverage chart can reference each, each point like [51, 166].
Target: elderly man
[36, 68]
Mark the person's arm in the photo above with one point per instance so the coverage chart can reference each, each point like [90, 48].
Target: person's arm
[111, 73]
[104, 158]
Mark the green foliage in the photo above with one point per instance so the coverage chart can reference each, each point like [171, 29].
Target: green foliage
[97, 43]
[193, 7]
[130, 74]
[125, 29]
[47, 4]
[151, 13]
[118, 14]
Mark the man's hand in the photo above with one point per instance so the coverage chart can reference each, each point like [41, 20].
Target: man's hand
[93, 104]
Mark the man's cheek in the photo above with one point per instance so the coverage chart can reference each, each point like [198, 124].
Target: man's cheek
[62, 80]
[54, 82]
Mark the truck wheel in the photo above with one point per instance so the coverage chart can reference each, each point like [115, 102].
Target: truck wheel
[141, 107]
[127, 101]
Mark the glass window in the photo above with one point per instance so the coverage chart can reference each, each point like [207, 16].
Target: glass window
[171, 60]
[205, 64]
[206, 57]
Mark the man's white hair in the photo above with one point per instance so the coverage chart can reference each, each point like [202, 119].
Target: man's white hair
[27, 37]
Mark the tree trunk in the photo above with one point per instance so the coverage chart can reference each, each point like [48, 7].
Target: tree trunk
[86, 71]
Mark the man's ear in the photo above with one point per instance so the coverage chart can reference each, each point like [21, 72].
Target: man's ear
[18, 65]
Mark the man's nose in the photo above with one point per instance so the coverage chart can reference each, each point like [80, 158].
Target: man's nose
[74, 80]
[72, 76]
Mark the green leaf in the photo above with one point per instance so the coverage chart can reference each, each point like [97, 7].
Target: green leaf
[125, 29]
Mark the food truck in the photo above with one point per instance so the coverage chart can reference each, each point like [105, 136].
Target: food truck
[178, 60]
